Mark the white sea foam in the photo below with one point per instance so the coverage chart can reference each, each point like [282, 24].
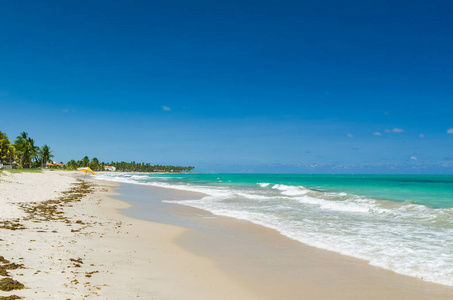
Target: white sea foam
[406, 238]
[291, 190]
[263, 184]
[332, 205]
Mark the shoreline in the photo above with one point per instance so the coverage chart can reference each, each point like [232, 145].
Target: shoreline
[315, 273]
[103, 252]
[268, 257]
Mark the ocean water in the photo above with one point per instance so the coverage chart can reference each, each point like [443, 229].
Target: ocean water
[402, 223]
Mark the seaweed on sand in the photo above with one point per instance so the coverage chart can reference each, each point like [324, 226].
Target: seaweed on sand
[11, 225]
[51, 210]
[7, 284]
[12, 297]
[6, 265]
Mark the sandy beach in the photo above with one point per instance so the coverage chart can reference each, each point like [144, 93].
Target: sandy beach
[64, 238]
[91, 251]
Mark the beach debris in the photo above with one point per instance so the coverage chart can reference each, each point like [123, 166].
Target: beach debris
[11, 266]
[7, 265]
[8, 284]
[52, 210]
[11, 297]
[77, 262]
[89, 274]
[11, 225]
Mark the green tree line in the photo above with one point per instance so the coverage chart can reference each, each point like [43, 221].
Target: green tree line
[123, 166]
[25, 154]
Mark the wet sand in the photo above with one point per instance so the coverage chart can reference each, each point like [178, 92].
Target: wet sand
[269, 264]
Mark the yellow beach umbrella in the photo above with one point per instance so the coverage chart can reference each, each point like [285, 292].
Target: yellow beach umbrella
[86, 170]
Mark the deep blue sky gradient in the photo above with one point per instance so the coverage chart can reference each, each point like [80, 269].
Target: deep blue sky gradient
[242, 86]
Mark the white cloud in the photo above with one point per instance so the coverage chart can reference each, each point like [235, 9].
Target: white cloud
[450, 131]
[395, 130]
[414, 157]
[421, 135]
[377, 133]
[166, 108]
[349, 135]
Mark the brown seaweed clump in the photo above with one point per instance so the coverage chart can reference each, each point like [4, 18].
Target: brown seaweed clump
[8, 284]
[12, 297]
[89, 274]
[77, 262]
[11, 225]
[7, 265]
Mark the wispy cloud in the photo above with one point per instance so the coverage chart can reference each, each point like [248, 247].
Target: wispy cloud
[377, 133]
[413, 157]
[349, 135]
[421, 135]
[166, 108]
[450, 131]
[395, 130]
[65, 110]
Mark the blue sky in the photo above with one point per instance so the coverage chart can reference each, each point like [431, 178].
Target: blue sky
[236, 86]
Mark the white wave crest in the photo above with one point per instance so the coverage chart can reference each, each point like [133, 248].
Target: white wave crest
[290, 190]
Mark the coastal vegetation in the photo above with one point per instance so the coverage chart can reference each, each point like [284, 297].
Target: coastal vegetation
[123, 166]
[24, 154]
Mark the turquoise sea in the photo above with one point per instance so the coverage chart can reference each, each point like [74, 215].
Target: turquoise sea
[402, 223]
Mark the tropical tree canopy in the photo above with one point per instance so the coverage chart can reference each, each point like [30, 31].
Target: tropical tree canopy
[126, 166]
[26, 149]
[45, 154]
[6, 149]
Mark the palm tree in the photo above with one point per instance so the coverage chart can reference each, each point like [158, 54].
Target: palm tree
[45, 155]
[26, 149]
[11, 153]
[94, 164]
[85, 161]
[72, 165]
[34, 151]
[4, 146]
